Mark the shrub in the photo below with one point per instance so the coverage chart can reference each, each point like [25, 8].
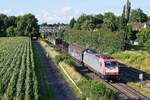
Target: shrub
[68, 61]
[97, 90]
[59, 58]
[147, 45]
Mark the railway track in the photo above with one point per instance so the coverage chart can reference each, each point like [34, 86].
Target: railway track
[124, 92]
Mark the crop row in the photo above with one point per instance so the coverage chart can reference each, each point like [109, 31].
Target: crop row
[17, 70]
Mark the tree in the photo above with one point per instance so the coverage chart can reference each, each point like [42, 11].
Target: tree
[10, 31]
[143, 36]
[147, 45]
[72, 22]
[3, 20]
[123, 20]
[109, 21]
[131, 33]
[27, 25]
[98, 20]
[12, 21]
[80, 21]
[44, 24]
[128, 9]
[77, 26]
[137, 15]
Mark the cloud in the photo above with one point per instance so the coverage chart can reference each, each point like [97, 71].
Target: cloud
[48, 16]
[66, 9]
[6, 11]
[61, 15]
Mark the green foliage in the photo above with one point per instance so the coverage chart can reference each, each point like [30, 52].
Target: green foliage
[97, 90]
[10, 31]
[128, 8]
[59, 58]
[147, 45]
[91, 89]
[84, 21]
[69, 61]
[136, 59]
[102, 41]
[26, 25]
[143, 36]
[17, 73]
[64, 58]
[109, 21]
[72, 22]
[44, 88]
[137, 15]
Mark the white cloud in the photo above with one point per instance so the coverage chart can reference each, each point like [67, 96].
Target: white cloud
[6, 11]
[20, 13]
[49, 16]
[61, 15]
[66, 9]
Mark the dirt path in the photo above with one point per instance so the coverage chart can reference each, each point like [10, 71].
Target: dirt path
[56, 81]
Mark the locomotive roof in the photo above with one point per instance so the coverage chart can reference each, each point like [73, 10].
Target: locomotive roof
[77, 47]
[104, 56]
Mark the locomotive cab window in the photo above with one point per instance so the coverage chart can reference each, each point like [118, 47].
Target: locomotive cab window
[111, 64]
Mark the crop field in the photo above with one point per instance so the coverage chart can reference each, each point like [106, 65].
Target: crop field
[18, 79]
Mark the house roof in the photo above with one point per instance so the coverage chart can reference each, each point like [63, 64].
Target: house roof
[137, 25]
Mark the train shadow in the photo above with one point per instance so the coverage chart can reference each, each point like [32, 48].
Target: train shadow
[130, 74]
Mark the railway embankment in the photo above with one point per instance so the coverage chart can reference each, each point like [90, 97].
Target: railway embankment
[133, 64]
[82, 87]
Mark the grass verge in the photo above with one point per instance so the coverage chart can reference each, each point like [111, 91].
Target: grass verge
[143, 90]
[137, 59]
[45, 91]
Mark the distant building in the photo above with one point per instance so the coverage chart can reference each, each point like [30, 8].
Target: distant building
[147, 24]
[46, 30]
[138, 25]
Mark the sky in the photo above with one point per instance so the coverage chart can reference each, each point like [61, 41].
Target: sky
[54, 11]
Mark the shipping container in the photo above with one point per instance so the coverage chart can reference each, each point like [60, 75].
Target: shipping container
[75, 52]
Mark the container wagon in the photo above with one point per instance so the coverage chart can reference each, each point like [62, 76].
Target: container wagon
[104, 65]
[53, 40]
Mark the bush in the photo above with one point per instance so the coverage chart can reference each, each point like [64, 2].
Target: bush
[97, 90]
[147, 45]
[68, 61]
[59, 58]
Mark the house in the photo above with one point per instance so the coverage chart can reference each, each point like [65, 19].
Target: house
[138, 25]
[147, 24]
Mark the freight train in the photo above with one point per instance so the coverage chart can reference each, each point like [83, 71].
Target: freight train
[103, 65]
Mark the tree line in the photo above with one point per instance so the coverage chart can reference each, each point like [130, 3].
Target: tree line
[108, 25]
[109, 20]
[25, 25]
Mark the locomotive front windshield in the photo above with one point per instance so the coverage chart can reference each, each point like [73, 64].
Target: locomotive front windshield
[111, 65]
